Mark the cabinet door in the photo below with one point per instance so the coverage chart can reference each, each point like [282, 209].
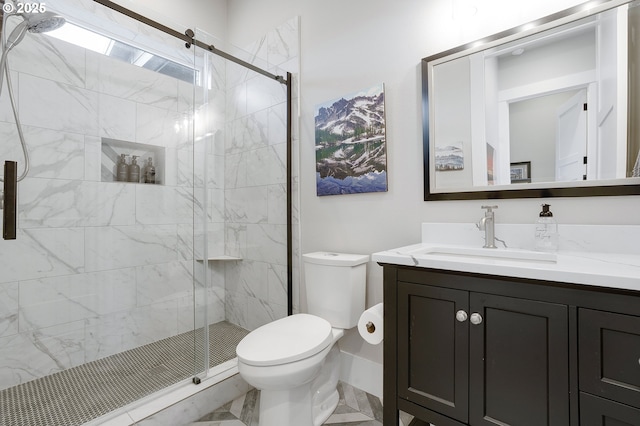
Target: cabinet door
[519, 372]
[433, 348]
[610, 355]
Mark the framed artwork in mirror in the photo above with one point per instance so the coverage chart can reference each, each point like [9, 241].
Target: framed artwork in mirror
[521, 172]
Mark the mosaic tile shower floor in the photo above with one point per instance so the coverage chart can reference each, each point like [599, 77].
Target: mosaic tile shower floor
[355, 407]
[80, 394]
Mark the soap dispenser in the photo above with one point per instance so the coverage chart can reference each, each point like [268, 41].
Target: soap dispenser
[134, 170]
[546, 233]
[122, 169]
[149, 174]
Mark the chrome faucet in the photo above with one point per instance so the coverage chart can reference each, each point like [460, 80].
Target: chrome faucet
[487, 224]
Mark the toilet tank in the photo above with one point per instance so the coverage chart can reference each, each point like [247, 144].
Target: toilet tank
[336, 286]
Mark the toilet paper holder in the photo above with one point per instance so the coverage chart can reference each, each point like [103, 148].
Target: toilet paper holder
[370, 327]
[371, 324]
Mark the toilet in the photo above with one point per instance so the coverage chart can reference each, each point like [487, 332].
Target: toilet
[294, 361]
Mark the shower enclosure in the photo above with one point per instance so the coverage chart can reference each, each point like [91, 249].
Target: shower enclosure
[119, 285]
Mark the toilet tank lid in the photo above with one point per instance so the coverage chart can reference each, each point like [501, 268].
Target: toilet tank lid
[335, 259]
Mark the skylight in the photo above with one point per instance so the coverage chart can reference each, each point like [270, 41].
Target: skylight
[99, 43]
[82, 37]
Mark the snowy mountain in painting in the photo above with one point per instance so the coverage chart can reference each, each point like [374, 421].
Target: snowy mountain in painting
[346, 120]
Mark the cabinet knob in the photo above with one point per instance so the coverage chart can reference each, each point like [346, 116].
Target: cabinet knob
[461, 315]
[476, 318]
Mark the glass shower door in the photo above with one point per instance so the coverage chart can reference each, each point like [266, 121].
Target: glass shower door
[243, 116]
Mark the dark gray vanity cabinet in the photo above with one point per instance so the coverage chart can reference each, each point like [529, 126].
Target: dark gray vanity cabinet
[470, 349]
[481, 358]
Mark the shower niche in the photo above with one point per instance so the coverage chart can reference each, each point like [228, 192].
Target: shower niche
[149, 159]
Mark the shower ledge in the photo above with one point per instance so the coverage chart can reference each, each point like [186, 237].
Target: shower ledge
[222, 257]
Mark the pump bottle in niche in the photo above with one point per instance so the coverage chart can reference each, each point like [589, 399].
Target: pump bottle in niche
[149, 173]
[134, 170]
[122, 169]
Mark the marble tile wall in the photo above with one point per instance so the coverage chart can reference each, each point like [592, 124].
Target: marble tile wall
[101, 267]
[255, 181]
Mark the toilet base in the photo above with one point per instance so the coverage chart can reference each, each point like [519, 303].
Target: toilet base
[291, 407]
[286, 407]
[325, 397]
[322, 413]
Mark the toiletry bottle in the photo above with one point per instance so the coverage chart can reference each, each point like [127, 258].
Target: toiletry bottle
[149, 175]
[122, 169]
[546, 231]
[134, 170]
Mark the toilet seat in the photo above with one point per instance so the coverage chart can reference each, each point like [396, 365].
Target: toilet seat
[286, 340]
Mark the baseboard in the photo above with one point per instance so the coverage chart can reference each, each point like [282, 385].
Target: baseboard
[361, 373]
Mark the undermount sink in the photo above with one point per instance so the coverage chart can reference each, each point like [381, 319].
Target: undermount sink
[497, 253]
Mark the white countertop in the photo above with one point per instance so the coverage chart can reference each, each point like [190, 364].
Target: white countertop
[606, 268]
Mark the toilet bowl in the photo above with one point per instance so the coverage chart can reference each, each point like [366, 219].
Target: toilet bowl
[294, 361]
[288, 360]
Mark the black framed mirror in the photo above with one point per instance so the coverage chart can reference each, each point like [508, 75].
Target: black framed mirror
[546, 109]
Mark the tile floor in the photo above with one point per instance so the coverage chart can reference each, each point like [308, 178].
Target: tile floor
[80, 394]
[355, 407]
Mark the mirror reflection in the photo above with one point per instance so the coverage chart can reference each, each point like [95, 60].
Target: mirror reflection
[548, 109]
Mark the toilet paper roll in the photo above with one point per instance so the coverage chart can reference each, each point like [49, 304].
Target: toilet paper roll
[371, 326]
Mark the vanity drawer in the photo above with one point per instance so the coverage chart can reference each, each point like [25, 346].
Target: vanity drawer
[596, 411]
[609, 352]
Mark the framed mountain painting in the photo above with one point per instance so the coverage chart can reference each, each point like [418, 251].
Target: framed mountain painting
[351, 151]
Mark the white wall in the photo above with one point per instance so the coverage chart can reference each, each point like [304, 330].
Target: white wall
[350, 45]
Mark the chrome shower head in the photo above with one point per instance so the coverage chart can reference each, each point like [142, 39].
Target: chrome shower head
[33, 23]
[43, 22]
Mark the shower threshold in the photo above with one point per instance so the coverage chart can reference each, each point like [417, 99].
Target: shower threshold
[80, 394]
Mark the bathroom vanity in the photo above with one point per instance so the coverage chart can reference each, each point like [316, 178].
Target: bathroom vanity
[504, 337]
